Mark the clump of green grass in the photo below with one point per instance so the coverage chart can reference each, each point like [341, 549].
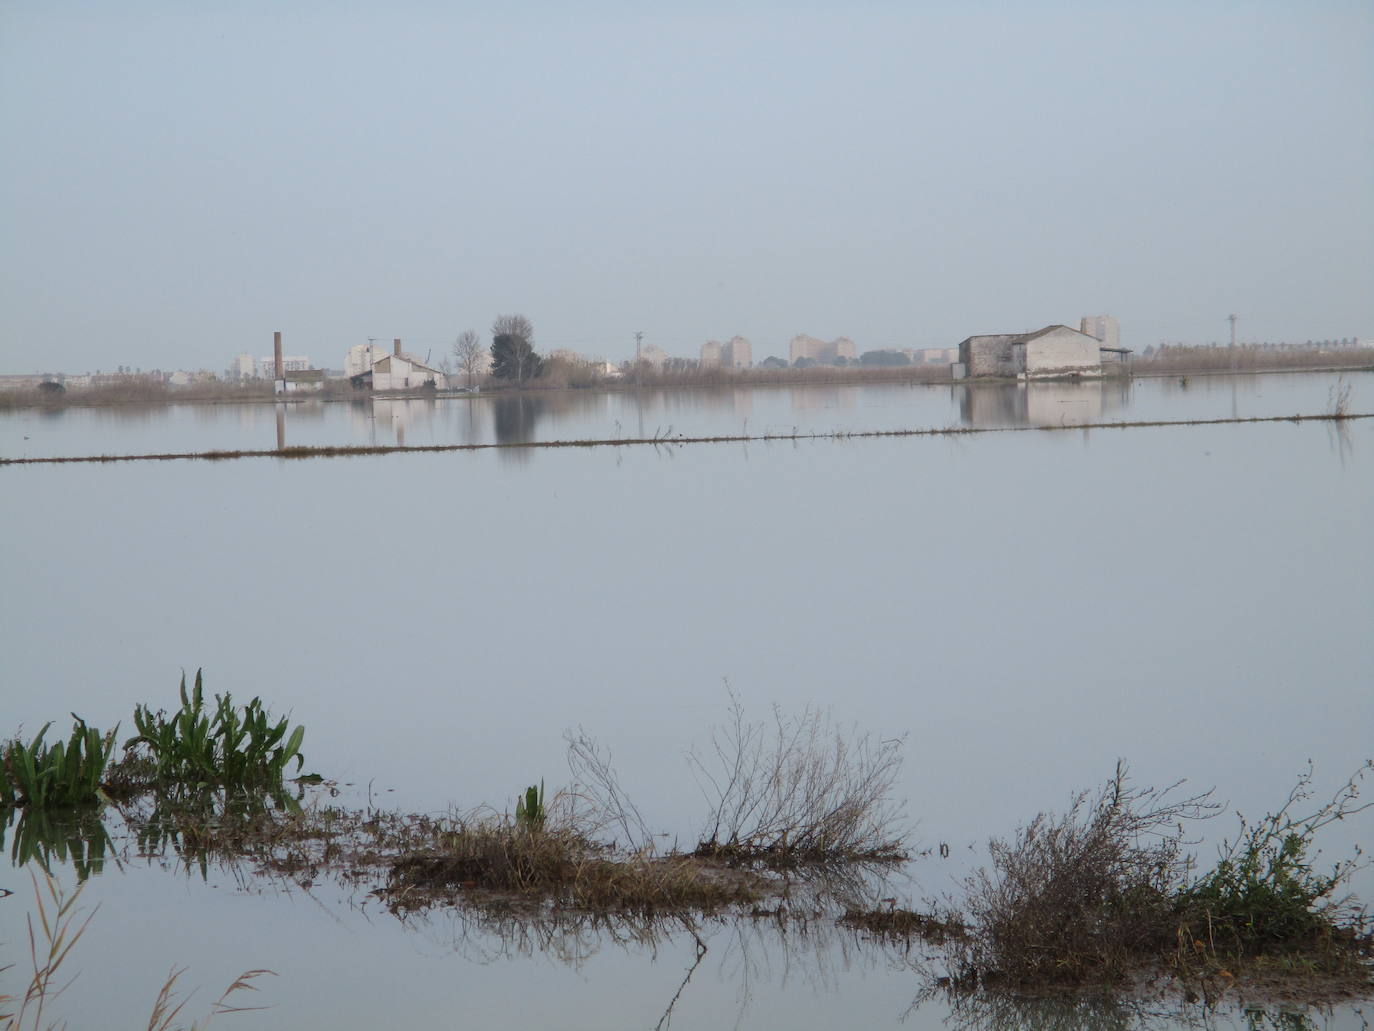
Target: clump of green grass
[529, 809]
[42, 776]
[226, 746]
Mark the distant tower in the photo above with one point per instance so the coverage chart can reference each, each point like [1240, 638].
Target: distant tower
[1102, 327]
[1232, 319]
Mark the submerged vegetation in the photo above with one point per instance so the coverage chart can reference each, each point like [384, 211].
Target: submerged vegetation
[802, 830]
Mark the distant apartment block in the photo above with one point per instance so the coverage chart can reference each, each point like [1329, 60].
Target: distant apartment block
[654, 357]
[247, 367]
[1103, 328]
[935, 356]
[361, 358]
[736, 354]
[811, 349]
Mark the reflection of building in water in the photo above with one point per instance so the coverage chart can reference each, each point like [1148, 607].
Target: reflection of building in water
[396, 414]
[1063, 404]
[1040, 404]
[817, 397]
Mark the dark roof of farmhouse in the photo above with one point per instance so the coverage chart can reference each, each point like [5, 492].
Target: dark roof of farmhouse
[1018, 338]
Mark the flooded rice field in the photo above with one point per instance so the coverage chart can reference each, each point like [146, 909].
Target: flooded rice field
[576, 415]
[1019, 610]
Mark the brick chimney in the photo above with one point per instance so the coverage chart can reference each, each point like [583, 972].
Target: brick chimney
[276, 353]
[397, 345]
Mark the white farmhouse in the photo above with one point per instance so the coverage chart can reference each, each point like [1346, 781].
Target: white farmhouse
[402, 372]
[1052, 351]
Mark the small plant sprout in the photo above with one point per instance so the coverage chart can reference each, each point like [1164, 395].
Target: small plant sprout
[529, 809]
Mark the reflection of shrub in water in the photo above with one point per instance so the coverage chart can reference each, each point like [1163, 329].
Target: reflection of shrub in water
[44, 836]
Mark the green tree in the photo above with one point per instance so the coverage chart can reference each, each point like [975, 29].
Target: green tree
[512, 349]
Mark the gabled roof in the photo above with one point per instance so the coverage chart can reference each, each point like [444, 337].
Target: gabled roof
[996, 338]
[1051, 329]
[1019, 338]
[409, 359]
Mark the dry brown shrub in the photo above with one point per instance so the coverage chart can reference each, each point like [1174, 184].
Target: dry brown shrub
[1079, 897]
[559, 864]
[799, 790]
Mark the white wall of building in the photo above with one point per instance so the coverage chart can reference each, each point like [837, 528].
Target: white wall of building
[395, 372]
[1062, 351]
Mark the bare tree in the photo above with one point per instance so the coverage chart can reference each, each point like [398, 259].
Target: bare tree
[470, 353]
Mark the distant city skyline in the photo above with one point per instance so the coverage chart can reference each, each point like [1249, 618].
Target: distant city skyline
[182, 181]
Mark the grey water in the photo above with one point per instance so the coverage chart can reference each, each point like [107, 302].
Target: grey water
[610, 415]
[1023, 609]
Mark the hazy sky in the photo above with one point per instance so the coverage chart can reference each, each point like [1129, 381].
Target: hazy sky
[181, 179]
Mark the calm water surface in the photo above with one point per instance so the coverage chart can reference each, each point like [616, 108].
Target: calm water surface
[1024, 608]
[572, 415]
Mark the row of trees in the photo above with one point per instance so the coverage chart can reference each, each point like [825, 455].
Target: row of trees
[512, 353]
